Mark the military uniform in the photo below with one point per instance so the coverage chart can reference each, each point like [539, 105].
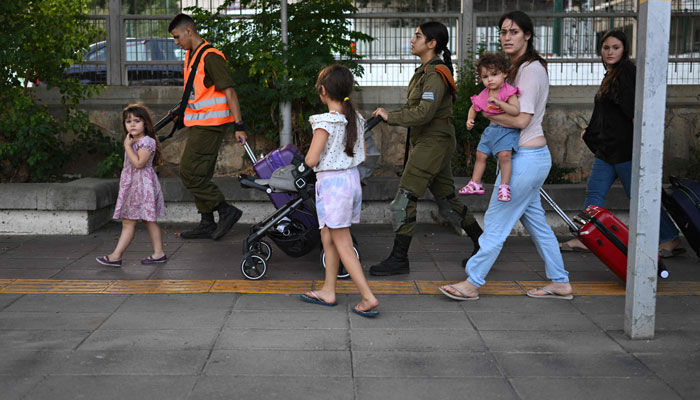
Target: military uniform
[428, 114]
[198, 160]
[203, 142]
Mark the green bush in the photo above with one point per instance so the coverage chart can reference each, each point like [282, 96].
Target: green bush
[41, 39]
[318, 32]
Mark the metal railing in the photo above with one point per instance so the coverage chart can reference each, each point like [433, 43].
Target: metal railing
[138, 50]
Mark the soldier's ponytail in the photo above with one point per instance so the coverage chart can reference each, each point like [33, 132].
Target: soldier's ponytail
[447, 59]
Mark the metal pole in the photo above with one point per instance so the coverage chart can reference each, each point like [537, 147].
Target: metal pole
[466, 44]
[650, 105]
[285, 106]
[115, 42]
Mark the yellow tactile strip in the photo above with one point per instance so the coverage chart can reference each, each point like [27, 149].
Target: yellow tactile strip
[496, 288]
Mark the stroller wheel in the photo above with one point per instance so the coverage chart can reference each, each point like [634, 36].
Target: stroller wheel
[342, 272]
[262, 249]
[253, 267]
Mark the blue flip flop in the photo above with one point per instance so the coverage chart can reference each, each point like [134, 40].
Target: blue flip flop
[315, 299]
[367, 314]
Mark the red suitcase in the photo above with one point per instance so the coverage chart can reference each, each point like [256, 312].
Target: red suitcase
[604, 235]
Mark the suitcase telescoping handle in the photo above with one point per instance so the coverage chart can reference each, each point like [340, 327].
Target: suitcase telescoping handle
[572, 226]
[250, 153]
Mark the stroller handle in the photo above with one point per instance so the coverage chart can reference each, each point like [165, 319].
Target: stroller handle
[369, 124]
[372, 122]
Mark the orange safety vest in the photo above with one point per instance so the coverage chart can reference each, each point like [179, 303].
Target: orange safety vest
[206, 105]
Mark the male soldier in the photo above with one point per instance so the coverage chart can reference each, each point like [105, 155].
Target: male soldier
[428, 114]
[211, 111]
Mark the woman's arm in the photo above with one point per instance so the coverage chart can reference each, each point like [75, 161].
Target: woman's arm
[521, 121]
[317, 144]
[511, 107]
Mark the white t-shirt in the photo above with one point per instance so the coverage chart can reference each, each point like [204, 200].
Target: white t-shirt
[333, 156]
[533, 82]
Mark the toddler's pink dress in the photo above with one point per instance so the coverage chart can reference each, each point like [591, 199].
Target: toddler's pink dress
[140, 195]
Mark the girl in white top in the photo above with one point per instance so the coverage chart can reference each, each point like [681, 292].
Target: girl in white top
[337, 147]
[531, 165]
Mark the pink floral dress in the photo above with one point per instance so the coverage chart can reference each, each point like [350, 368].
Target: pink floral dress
[140, 195]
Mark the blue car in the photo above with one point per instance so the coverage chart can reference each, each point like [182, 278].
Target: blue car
[94, 70]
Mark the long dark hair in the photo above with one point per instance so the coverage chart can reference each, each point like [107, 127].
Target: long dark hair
[140, 111]
[610, 87]
[339, 83]
[525, 23]
[437, 31]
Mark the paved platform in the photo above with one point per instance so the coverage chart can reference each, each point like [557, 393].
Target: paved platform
[194, 329]
[435, 255]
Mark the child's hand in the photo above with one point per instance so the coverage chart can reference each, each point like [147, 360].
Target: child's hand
[128, 140]
[493, 100]
[470, 124]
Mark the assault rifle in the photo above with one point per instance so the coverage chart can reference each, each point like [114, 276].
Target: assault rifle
[174, 114]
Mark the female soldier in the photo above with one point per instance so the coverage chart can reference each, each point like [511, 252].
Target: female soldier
[428, 115]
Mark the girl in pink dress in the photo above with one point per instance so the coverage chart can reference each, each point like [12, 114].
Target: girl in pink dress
[140, 196]
[497, 98]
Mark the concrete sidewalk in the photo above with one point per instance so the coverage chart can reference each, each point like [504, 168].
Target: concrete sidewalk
[252, 346]
[435, 254]
[233, 346]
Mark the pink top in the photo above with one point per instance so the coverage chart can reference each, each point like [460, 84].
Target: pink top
[481, 100]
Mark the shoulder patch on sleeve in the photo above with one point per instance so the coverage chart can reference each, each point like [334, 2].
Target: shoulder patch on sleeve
[428, 96]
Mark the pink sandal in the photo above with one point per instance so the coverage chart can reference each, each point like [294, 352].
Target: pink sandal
[504, 193]
[472, 188]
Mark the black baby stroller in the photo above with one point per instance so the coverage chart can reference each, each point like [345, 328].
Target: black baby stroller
[289, 183]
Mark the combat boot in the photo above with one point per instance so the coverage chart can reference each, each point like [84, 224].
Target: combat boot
[397, 262]
[228, 216]
[206, 227]
[473, 231]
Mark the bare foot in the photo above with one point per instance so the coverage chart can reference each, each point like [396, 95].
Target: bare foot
[670, 245]
[558, 289]
[461, 289]
[367, 305]
[572, 244]
[326, 297]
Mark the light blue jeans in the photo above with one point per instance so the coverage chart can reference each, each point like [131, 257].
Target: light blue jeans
[530, 169]
[602, 177]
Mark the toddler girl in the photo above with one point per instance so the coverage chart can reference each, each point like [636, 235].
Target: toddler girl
[497, 98]
[140, 196]
[337, 147]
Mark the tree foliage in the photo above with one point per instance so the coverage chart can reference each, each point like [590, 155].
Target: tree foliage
[265, 72]
[41, 38]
